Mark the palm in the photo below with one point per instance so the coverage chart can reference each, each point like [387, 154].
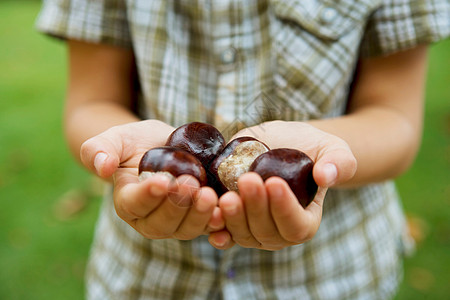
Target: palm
[136, 139]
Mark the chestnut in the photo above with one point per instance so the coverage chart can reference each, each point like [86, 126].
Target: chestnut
[172, 162]
[294, 166]
[234, 161]
[202, 140]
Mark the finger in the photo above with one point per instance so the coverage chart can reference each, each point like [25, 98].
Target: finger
[259, 218]
[334, 166]
[101, 154]
[137, 200]
[216, 222]
[221, 240]
[164, 221]
[183, 190]
[315, 208]
[236, 222]
[196, 220]
[294, 223]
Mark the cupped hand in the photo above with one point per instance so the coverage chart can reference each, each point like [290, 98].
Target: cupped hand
[334, 162]
[267, 215]
[157, 207]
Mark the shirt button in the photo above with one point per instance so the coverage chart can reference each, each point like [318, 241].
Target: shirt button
[231, 274]
[228, 56]
[328, 14]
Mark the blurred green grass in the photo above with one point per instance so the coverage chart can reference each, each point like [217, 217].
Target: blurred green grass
[44, 239]
[41, 256]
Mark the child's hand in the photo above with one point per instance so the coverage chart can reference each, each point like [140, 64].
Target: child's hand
[334, 163]
[268, 215]
[161, 208]
[157, 207]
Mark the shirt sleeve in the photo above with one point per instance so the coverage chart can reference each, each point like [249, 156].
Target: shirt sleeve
[402, 24]
[100, 21]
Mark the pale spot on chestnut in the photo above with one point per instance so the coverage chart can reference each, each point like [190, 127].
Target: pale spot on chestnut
[235, 160]
[195, 147]
[146, 174]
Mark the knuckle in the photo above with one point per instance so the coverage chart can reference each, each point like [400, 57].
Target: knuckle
[155, 234]
[184, 236]
[122, 206]
[266, 239]
[122, 210]
[145, 234]
[275, 247]
[352, 164]
[149, 231]
[297, 237]
[348, 167]
[247, 242]
[85, 150]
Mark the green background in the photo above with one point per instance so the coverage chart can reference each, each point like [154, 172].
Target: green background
[49, 204]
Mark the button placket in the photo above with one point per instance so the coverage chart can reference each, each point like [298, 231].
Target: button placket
[227, 59]
[228, 56]
[328, 14]
[227, 268]
[231, 273]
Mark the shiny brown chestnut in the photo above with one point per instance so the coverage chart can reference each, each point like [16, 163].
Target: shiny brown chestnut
[172, 162]
[293, 166]
[202, 140]
[234, 161]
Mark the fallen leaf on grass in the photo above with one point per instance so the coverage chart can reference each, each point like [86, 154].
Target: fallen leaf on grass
[70, 204]
[78, 268]
[421, 279]
[417, 228]
[19, 160]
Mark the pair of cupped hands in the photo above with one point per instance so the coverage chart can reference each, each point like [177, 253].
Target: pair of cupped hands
[264, 215]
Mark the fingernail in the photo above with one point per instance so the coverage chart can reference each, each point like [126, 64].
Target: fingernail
[230, 209]
[219, 243]
[251, 190]
[202, 206]
[99, 161]
[213, 227]
[276, 192]
[330, 171]
[156, 191]
[220, 239]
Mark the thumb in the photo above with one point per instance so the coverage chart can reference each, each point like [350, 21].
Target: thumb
[334, 166]
[101, 155]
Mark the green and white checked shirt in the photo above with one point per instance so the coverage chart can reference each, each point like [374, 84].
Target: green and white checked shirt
[235, 64]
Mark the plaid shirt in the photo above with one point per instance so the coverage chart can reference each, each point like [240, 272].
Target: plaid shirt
[236, 64]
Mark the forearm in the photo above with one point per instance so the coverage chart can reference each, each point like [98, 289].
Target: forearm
[383, 125]
[100, 91]
[383, 142]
